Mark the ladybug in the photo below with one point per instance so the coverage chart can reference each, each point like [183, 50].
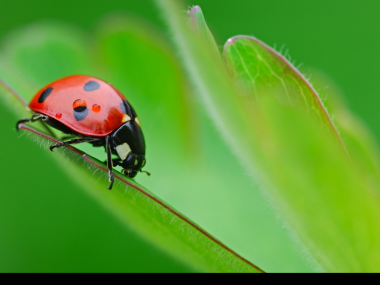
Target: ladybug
[95, 112]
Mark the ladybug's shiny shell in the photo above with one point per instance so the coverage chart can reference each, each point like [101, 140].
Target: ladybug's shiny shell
[85, 104]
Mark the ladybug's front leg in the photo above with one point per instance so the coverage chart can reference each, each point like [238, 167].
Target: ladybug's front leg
[109, 162]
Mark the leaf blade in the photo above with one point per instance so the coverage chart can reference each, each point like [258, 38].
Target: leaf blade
[256, 66]
[169, 229]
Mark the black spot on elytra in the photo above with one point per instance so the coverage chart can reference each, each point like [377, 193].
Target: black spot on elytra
[80, 113]
[45, 94]
[127, 109]
[91, 86]
[80, 109]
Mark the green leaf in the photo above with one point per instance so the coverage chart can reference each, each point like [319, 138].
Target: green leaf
[137, 208]
[208, 73]
[302, 166]
[256, 66]
[156, 221]
[198, 21]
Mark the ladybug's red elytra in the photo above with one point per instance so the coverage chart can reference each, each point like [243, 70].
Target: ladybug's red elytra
[95, 112]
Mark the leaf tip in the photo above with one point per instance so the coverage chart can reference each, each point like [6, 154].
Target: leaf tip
[195, 8]
[234, 39]
[230, 41]
[238, 37]
[193, 11]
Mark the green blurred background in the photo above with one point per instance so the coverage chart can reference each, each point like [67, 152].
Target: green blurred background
[67, 231]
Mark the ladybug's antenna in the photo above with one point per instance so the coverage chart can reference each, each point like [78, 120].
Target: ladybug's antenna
[148, 173]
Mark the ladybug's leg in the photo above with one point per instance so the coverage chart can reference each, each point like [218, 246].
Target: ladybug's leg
[148, 173]
[34, 118]
[73, 141]
[109, 162]
[20, 122]
[67, 137]
[115, 162]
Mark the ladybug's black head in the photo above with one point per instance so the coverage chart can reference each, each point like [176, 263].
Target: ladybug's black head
[133, 164]
[128, 143]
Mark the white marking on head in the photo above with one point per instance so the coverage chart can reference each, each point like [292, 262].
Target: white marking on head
[123, 150]
[137, 121]
[126, 118]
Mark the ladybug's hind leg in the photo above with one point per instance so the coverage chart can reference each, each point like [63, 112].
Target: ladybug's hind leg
[73, 141]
